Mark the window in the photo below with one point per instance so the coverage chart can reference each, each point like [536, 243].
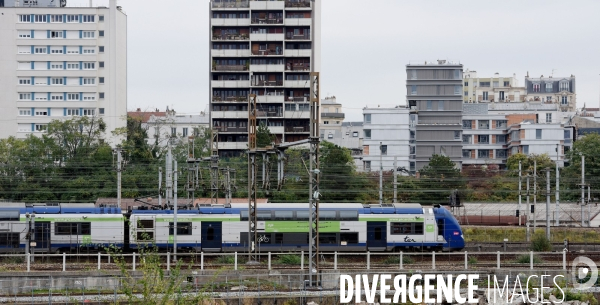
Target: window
[56, 34]
[90, 80]
[506, 84]
[466, 124]
[367, 166]
[100, 33]
[384, 150]
[440, 105]
[145, 236]
[483, 154]
[73, 18]
[406, 228]
[355, 134]
[466, 139]
[501, 153]
[89, 66]
[185, 132]
[183, 228]
[25, 96]
[89, 97]
[548, 117]
[56, 51]
[101, 64]
[484, 84]
[40, 50]
[466, 153]
[101, 111]
[72, 112]
[485, 95]
[484, 124]
[88, 34]
[428, 105]
[73, 66]
[549, 99]
[367, 118]
[466, 84]
[500, 139]
[56, 67]
[457, 135]
[25, 112]
[89, 112]
[413, 134]
[564, 86]
[526, 149]
[56, 18]
[483, 139]
[40, 18]
[413, 90]
[173, 131]
[567, 134]
[457, 90]
[536, 87]
[564, 100]
[24, 34]
[548, 87]
[330, 136]
[57, 81]
[367, 133]
[88, 51]
[101, 95]
[41, 127]
[495, 84]
[25, 81]
[24, 18]
[72, 96]
[457, 74]
[56, 97]
[101, 49]
[41, 113]
[87, 18]
[501, 124]
[146, 224]
[538, 134]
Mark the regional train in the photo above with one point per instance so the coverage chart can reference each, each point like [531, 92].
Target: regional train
[57, 228]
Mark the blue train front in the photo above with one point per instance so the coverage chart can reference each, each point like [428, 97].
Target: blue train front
[284, 227]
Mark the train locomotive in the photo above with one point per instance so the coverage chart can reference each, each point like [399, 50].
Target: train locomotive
[281, 227]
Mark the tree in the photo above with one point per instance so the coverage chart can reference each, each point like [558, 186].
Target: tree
[440, 177]
[77, 137]
[527, 163]
[588, 146]
[264, 137]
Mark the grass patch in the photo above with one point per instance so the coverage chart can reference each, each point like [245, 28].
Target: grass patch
[395, 260]
[525, 259]
[541, 244]
[516, 234]
[289, 259]
[472, 260]
[230, 259]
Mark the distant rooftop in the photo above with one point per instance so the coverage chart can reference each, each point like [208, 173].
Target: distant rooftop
[433, 62]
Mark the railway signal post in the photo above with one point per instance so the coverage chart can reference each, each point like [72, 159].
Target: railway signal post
[313, 250]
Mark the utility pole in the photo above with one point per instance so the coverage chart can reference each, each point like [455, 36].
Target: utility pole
[395, 180]
[557, 209]
[528, 208]
[119, 169]
[380, 174]
[582, 187]
[160, 186]
[169, 173]
[175, 227]
[548, 203]
[28, 236]
[252, 169]
[534, 194]
[589, 208]
[313, 193]
[519, 208]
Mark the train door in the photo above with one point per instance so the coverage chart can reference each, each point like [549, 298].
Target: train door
[211, 236]
[41, 236]
[145, 230]
[441, 230]
[376, 235]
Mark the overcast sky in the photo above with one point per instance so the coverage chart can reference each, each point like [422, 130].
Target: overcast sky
[366, 45]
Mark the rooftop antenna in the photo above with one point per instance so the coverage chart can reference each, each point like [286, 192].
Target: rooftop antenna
[553, 72]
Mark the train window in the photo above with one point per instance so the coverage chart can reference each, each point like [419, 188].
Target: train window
[406, 228]
[65, 228]
[86, 228]
[263, 215]
[440, 225]
[10, 240]
[328, 238]
[418, 228]
[9, 216]
[279, 238]
[351, 238]
[145, 235]
[349, 215]
[301, 215]
[378, 233]
[284, 215]
[244, 215]
[183, 228]
[146, 223]
[210, 233]
[327, 215]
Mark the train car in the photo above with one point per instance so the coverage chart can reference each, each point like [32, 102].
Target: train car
[284, 227]
[60, 227]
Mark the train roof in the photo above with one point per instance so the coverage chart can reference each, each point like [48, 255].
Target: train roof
[57, 208]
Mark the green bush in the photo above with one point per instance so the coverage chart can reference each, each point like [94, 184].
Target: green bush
[540, 244]
[524, 259]
[289, 259]
[472, 260]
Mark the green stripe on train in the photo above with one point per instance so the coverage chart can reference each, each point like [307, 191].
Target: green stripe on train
[197, 219]
[300, 226]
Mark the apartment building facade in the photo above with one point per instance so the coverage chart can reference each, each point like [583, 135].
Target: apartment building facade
[332, 119]
[162, 126]
[434, 93]
[386, 137]
[266, 48]
[60, 62]
[552, 90]
[497, 89]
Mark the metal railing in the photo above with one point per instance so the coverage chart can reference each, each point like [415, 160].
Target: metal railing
[267, 83]
[230, 4]
[293, 129]
[231, 37]
[292, 36]
[297, 3]
[268, 52]
[230, 68]
[278, 20]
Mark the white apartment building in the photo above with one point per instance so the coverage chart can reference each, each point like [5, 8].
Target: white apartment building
[58, 62]
[332, 118]
[499, 89]
[266, 48]
[162, 128]
[386, 136]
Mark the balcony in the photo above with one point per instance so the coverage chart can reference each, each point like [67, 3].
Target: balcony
[230, 53]
[230, 68]
[297, 4]
[224, 129]
[230, 21]
[297, 67]
[266, 68]
[297, 129]
[297, 21]
[292, 36]
[233, 145]
[275, 52]
[297, 114]
[230, 37]
[297, 99]
[332, 115]
[270, 98]
[276, 129]
[231, 99]
[297, 83]
[278, 20]
[267, 83]
[229, 115]
[297, 53]
[266, 37]
[231, 4]
[270, 114]
[267, 5]
[230, 83]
